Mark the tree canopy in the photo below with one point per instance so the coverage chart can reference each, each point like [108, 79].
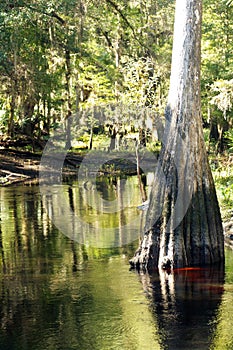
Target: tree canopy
[61, 57]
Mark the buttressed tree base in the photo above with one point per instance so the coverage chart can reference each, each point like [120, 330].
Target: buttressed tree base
[183, 225]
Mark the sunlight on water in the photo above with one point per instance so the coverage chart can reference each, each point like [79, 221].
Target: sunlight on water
[58, 294]
[103, 215]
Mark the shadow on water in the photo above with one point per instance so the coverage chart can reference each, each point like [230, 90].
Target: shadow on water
[57, 294]
[185, 305]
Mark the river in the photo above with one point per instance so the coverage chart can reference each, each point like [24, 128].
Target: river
[57, 293]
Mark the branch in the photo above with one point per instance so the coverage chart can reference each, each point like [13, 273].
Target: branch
[118, 10]
[55, 15]
[110, 2]
[52, 14]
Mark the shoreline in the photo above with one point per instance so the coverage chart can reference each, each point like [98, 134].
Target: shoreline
[19, 166]
[22, 167]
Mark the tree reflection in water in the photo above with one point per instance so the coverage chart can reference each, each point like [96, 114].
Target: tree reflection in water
[185, 305]
[58, 294]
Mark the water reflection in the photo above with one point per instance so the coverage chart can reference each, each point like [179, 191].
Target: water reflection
[103, 214]
[185, 305]
[58, 294]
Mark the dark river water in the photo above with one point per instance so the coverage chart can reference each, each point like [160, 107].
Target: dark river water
[57, 293]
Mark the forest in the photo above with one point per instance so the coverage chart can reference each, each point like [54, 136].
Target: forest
[99, 71]
[86, 76]
[67, 58]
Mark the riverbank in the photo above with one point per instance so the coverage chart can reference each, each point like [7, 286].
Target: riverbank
[19, 166]
[23, 166]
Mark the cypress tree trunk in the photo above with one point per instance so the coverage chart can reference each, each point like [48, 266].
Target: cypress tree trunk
[183, 226]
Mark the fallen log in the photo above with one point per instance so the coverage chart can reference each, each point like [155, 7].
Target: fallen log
[7, 177]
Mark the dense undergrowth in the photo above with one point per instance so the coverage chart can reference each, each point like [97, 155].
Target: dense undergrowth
[222, 169]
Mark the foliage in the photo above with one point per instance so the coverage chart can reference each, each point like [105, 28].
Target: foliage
[68, 56]
[217, 64]
[223, 98]
[229, 137]
[222, 171]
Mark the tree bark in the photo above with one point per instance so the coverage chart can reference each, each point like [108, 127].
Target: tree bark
[69, 102]
[10, 129]
[183, 226]
[113, 134]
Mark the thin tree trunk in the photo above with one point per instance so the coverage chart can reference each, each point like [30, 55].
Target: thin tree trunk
[14, 86]
[10, 129]
[113, 134]
[90, 143]
[183, 226]
[69, 103]
[2, 253]
[142, 189]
